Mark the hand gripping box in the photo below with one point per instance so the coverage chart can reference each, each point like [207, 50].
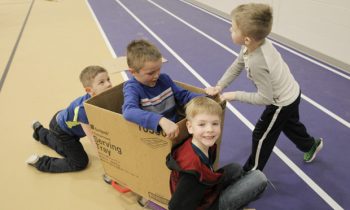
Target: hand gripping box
[132, 155]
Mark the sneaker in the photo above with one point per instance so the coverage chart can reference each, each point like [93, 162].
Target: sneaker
[36, 126]
[311, 154]
[33, 159]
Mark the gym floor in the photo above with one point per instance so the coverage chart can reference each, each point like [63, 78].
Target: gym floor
[39, 77]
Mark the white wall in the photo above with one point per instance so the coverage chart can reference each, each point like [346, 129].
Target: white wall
[320, 28]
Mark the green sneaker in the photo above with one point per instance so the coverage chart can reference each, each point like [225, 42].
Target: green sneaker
[311, 154]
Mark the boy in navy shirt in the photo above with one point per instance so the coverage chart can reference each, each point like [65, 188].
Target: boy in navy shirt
[68, 126]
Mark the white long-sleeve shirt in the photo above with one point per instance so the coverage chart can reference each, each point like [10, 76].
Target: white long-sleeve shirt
[270, 74]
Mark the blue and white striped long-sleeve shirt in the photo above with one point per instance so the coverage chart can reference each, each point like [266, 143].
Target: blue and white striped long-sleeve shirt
[145, 105]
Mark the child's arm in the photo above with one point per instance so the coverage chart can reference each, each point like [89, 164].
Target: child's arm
[133, 113]
[264, 93]
[228, 96]
[188, 194]
[232, 72]
[229, 76]
[170, 128]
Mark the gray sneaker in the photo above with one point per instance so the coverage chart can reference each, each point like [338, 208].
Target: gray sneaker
[311, 154]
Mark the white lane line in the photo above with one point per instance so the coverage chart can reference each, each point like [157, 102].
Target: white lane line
[276, 43]
[314, 103]
[325, 110]
[200, 78]
[206, 11]
[109, 46]
[279, 153]
[195, 29]
[313, 61]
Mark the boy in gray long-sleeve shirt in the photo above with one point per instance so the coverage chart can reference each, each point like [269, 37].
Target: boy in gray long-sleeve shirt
[276, 86]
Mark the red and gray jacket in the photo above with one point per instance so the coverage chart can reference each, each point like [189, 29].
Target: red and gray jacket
[193, 184]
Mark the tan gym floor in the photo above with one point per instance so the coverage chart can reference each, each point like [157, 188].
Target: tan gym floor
[59, 39]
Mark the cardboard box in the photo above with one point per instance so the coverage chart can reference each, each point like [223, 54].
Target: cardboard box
[132, 155]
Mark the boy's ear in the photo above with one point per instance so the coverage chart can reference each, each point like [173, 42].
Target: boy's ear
[189, 127]
[88, 90]
[247, 40]
[132, 71]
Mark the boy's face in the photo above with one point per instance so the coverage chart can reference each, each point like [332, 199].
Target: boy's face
[149, 73]
[205, 129]
[236, 34]
[99, 84]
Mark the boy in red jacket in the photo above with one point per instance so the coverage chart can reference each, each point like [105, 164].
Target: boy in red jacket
[194, 183]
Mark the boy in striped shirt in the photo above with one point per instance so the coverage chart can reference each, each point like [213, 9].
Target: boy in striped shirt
[150, 97]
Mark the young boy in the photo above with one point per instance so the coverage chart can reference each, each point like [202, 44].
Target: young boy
[68, 126]
[276, 86]
[194, 184]
[151, 98]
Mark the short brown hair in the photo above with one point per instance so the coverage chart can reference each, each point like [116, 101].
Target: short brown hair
[141, 51]
[89, 73]
[254, 20]
[202, 104]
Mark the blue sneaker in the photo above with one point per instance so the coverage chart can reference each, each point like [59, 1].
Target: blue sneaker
[311, 154]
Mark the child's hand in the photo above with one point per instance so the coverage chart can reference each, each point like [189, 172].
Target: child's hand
[170, 128]
[212, 91]
[228, 96]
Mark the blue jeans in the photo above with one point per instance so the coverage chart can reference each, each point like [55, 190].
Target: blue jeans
[74, 155]
[241, 189]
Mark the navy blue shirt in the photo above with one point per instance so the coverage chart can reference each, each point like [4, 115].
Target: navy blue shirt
[208, 161]
[70, 118]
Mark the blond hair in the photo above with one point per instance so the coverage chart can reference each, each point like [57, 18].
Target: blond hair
[89, 73]
[253, 20]
[202, 105]
[141, 51]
